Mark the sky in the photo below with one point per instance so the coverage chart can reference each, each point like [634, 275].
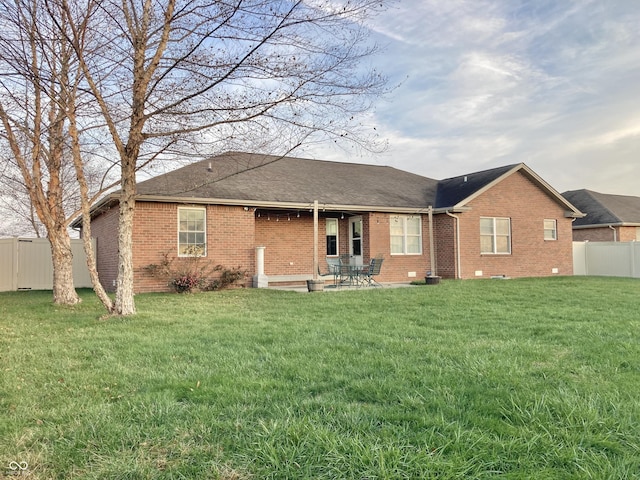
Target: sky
[554, 84]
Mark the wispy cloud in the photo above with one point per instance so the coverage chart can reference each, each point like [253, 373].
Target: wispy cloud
[490, 82]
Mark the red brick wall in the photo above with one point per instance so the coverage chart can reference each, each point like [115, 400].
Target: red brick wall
[379, 240]
[627, 234]
[230, 240]
[600, 234]
[518, 198]
[396, 268]
[605, 234]
[289, 242]
[104, 228]
[445, 245]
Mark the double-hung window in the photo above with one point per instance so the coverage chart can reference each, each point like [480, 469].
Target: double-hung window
[192, 236]
[406, 235]
[550, 229]
[332, 237]
[495, 235]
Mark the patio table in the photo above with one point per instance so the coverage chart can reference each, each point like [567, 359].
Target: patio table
[351, 274]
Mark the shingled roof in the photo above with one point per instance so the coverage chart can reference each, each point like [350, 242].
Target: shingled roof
[264, 178]
[604, 209]
[456, 190]
[236, 178]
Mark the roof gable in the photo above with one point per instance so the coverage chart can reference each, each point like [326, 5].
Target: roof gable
[457, 192]
[454, 191]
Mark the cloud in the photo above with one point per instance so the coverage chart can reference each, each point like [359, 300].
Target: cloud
[492, 82]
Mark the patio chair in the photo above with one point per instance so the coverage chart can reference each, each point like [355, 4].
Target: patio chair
[372, 271]
[344, 275]
[333, 270]
[345, 259]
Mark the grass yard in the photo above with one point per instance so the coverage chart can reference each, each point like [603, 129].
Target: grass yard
[517, 379]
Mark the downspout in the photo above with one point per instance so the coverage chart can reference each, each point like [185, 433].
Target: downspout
[432, 261]
[615, 233]
[458, 261]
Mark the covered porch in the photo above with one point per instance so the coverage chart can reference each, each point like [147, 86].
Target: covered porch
[300, 242]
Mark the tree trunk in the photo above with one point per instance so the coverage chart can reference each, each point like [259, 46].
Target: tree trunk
[91, 262]
[124, 304]
[64, 292]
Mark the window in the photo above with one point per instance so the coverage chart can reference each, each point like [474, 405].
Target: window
[406, 235]
[550, 230]
[495, 235]
[192, 241]
[332, 237]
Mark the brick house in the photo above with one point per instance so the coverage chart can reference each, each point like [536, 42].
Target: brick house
[504, 221]
[608, 218]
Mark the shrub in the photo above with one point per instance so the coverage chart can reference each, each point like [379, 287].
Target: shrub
[186, 283]
[194, 274]
[228, 277]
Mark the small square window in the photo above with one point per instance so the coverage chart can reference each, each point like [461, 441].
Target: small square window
[550, 229]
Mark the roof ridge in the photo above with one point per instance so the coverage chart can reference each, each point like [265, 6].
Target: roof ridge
[502, 167]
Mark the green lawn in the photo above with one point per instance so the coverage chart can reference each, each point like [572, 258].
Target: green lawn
[530, 379]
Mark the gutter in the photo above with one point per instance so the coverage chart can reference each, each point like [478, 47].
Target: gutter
[606, 225]
[331, 207]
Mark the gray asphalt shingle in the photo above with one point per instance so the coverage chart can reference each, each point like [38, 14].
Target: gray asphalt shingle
[604, 209]
[243, 176]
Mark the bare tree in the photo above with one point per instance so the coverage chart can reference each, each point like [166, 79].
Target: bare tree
[38, 88]
[18, 216]
[186, 75]
[33, 120]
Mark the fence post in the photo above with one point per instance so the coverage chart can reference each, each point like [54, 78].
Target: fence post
[14, 280]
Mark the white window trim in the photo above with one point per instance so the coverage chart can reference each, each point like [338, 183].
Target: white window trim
[555, 229]
[337, 236]
[404, 219]
[204, 210]
[495, 236]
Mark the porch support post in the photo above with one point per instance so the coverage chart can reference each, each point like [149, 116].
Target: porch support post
[260, 280]
[315, 239]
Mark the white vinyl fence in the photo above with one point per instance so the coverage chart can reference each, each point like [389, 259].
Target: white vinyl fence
[25, 264]
[613, 259]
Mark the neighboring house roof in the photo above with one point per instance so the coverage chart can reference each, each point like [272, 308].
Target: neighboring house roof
[604, 209]
[264, 181]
